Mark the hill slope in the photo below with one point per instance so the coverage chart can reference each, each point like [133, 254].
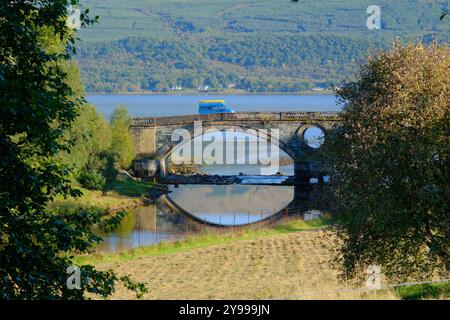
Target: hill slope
[254, 45]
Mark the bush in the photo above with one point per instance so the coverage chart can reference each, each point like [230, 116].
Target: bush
[109, 170]
[91, 179]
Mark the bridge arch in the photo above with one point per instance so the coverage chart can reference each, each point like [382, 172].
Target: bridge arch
[302, 130]
[166, 150]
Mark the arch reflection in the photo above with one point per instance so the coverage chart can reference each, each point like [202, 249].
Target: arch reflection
[231, 205]
[247, 207]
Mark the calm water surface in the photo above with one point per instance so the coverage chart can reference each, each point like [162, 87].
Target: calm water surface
[171, 105]
[227, 205]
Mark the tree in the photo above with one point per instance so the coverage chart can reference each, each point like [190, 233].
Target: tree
[121, 139]
[88, 156]
[390, 177]
[37, 108]
[91, 137]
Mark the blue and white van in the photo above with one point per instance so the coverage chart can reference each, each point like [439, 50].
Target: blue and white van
[213, 106]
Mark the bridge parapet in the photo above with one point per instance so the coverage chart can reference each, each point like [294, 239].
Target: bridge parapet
[240, 116]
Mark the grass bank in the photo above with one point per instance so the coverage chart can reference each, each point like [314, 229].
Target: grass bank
[202, 241]
[116, 195]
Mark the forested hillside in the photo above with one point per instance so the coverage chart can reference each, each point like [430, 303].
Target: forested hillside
[253, 45]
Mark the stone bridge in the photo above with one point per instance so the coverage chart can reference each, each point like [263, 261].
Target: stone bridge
[153, 136]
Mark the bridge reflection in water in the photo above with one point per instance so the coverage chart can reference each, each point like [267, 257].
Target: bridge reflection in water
[195, 209]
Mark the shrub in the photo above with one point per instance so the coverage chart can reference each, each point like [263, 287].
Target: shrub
[91, 179]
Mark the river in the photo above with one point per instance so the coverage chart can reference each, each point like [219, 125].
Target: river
[171, 105]
[227, 205]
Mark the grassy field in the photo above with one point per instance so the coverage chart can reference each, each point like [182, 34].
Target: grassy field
[290, 261]
[292, 265]
[173, 18]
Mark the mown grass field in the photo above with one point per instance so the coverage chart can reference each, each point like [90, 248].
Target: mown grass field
[293, 265]
[289, 261]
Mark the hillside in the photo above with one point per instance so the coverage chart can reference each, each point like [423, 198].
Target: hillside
[253, 45]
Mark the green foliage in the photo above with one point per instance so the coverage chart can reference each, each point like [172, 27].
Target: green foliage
[38, 107]
[138, 288]
[98, 147]
[108, 169]
[424, 291]
[218, 62]
[258, 46]
[391, 165]
[91, 179]
[121, 140]
[90, 136]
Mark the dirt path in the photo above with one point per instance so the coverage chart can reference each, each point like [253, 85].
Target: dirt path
[289, 266]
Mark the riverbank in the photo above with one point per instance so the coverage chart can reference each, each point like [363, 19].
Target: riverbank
[121, 194]
[204, 240]
[225, 93]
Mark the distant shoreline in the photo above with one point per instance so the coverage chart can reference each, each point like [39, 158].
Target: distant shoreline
[224, 93]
